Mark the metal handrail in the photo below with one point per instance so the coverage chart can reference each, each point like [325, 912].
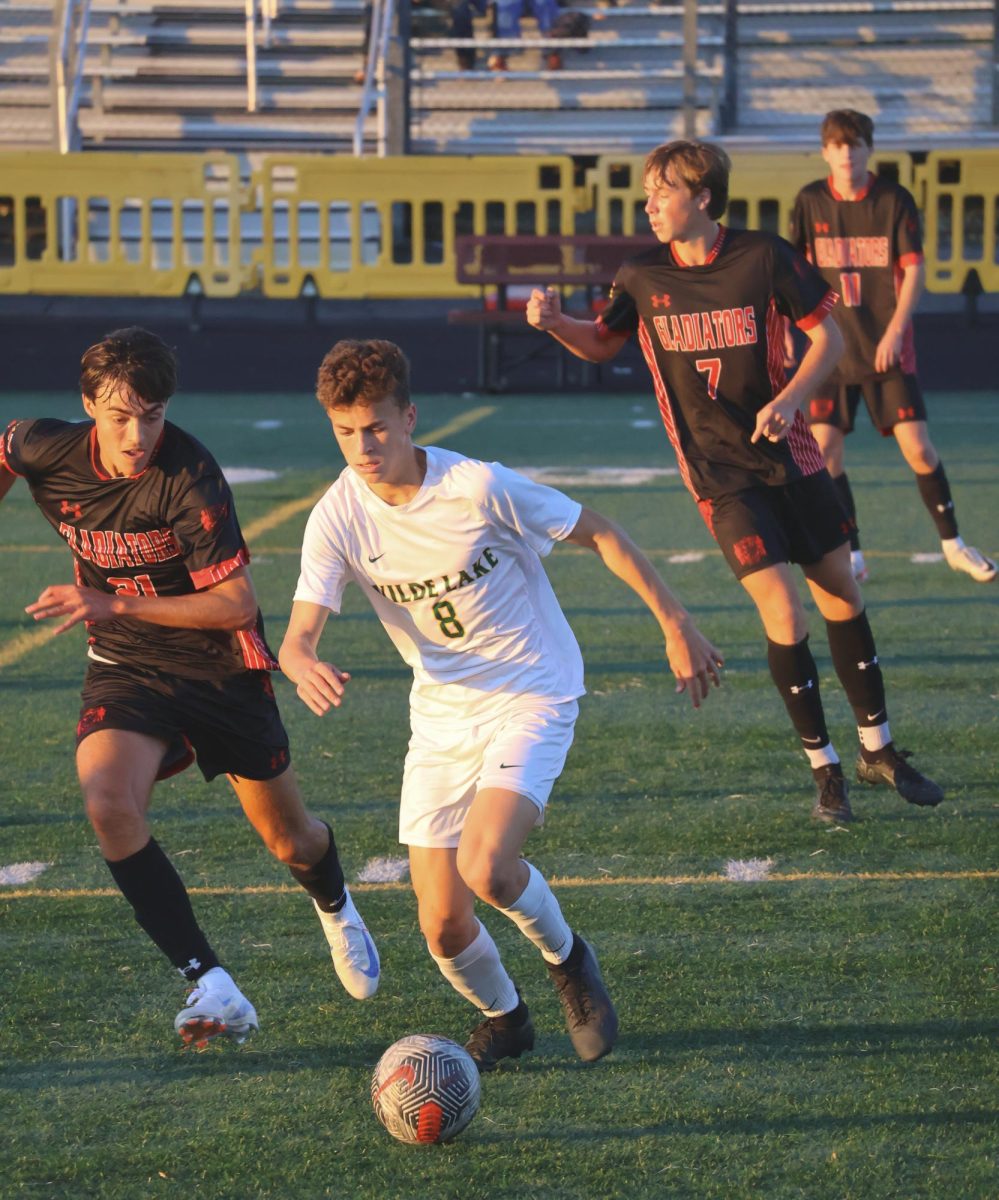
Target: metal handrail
[373, 92]
[250, 26]
[68, 91]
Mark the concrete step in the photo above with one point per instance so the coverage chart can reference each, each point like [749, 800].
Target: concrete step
[187, 98]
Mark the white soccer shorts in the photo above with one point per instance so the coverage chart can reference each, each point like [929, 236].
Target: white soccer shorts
[520, 750]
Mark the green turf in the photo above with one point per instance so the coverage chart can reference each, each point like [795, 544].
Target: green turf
[819, 1038]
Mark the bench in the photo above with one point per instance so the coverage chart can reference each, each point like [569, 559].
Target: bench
[584, 263]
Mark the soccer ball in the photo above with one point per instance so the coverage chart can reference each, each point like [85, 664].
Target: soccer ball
[425, 1089]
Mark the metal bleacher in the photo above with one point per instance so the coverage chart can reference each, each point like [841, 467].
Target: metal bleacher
[173, 74]
[182, 75]
[923, 68]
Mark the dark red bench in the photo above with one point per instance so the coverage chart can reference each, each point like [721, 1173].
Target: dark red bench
[497, 264]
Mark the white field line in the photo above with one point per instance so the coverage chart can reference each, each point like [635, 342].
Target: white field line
[651, 881]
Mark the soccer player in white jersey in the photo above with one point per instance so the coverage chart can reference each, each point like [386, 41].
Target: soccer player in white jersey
[448, 551]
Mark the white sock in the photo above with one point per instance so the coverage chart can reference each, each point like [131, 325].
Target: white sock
[537, 915]
[823, 757]
[874, 737]
[478, 974]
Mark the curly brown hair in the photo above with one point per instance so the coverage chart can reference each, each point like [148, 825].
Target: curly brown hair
[363, 372]
[698, 165]
[133, 358]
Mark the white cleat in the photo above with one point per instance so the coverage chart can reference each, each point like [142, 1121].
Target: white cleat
[858, 566]
[216, 1007]
[354, 955]
[971, 561]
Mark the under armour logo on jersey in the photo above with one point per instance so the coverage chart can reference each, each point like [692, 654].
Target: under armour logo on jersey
[802, 687]
[821, 226]
[862, 666]
[213, 514]
[71, 508]
[660, 301]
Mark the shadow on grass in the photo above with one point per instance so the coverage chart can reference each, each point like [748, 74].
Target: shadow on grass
[178, 1066]
[824, 1123]
[798, 1041]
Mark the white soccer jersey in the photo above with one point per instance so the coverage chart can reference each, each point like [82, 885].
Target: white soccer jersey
[455, 577]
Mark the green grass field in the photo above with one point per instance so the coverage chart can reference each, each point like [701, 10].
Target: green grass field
[830, 1032]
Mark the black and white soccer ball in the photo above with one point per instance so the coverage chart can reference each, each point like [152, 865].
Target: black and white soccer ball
[425, 1089]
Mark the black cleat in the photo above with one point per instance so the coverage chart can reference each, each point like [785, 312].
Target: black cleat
[502, 1037]
[589, 1013]
[832, 800]
[892, 770]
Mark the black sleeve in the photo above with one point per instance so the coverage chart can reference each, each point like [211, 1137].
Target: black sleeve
[797, 232]
[800, 291]
[203, 520]
[26, 446]
[621, 313]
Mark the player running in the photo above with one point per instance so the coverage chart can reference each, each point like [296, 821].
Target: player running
[179, 668]
[708, 306]
[862, 233]
[448, 551]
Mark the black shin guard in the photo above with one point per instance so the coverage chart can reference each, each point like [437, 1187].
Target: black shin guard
[855, 658]
[935, 493]
[324, 880]
[149, 882]
[845, 493]
[793, 671]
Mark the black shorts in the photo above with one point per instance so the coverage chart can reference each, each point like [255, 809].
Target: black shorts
[232, 724]
[890, 400]
[799, 522]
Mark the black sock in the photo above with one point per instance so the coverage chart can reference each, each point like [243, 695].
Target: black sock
[855, 658]
[515, 1017]
[794, 672]
[846, 496]
[324, 880]
[149, 882]
[935, 492]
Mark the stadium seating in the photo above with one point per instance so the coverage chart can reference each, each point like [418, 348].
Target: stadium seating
[173, 74]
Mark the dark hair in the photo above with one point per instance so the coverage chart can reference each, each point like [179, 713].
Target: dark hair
[847, 127]
[132, 358]
[698, 165]
[363, 372]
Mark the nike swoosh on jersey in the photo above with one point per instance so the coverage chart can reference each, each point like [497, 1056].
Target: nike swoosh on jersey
[376, 557]
[508, 766]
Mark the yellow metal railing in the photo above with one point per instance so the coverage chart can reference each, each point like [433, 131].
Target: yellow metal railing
[761, 195]
[170, 224]
[959, 196]
[385, 227]
[120, 224]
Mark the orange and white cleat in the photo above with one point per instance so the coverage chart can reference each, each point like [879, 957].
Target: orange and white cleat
[215, 1008]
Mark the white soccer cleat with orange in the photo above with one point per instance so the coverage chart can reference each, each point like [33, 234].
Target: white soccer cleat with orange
[969, 560]
[355, 958]
[215, 1008]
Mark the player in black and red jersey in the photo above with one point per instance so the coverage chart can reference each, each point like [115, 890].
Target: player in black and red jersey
[862, 233]
[708, 305]
[179, 667]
